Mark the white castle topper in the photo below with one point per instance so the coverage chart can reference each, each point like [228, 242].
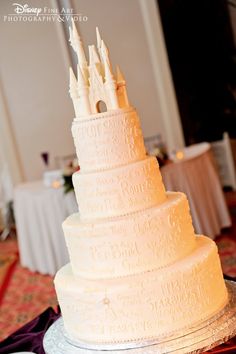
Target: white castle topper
[95, 82]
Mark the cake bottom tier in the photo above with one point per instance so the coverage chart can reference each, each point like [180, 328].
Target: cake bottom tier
[143, 306]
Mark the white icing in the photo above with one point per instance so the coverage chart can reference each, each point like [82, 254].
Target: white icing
[108, 140]
[119, 191]
[138, 271]
[96, 81]
[132, 244]
[145, 305]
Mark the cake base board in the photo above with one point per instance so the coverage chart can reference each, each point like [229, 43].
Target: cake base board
[205, 336]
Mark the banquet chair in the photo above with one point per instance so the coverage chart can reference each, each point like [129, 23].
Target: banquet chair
[224, 159]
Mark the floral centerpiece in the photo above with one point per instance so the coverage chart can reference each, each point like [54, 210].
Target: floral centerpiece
[67, 175]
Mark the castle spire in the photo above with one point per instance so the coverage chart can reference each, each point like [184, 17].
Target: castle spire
[83, 92]
[73, 85]
[110, 82]
[74, 92]
[119, 76]
[99, 41]
[106, 61]
[108, 74]
[121, 89]
[104, 53]
[77, 45]
[93, 56]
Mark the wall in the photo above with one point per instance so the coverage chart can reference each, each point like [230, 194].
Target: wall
[34, 80]
[34, 63]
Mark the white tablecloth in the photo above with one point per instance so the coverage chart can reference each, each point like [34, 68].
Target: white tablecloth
[197, 177]
[39, 213]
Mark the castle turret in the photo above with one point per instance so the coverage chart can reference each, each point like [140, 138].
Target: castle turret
[74, 91]
[110, 82]
[83, 92]
[99, 41]
[73, 85]
[77, 45]
[96, 92]
[93, 56]
[121, 89]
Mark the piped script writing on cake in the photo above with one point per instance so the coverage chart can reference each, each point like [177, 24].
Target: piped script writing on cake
[137, 270]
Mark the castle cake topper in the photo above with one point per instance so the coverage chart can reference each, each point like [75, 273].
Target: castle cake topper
[95, 81]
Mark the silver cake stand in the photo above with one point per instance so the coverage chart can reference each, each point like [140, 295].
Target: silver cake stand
[209, 334]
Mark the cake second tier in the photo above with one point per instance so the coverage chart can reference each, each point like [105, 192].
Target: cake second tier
[119, 191]
[109, 139]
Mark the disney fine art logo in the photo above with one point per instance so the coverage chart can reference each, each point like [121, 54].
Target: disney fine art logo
[25, 13]
[25, 9]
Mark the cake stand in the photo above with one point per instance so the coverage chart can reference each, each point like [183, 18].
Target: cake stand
[206, 335]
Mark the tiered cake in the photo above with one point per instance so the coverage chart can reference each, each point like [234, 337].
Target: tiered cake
[137, 269]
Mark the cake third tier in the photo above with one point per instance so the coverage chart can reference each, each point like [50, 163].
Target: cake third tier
[119, 191]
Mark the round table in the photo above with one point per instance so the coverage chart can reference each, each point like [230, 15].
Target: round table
[196, 175]
[39, 213]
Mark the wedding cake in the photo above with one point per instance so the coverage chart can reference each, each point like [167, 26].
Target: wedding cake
[137, 269]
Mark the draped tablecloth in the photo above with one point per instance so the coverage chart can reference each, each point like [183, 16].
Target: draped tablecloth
[39, 213]
[197, 177]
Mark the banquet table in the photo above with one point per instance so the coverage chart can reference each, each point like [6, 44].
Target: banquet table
[39, 213]
[196, 175]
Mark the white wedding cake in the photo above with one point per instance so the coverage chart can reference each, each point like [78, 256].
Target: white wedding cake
[137, 269]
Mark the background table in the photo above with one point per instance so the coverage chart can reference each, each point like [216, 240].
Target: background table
[197, 177]
[39, 213]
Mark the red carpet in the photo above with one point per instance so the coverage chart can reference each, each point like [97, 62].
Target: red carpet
[7, 264]
[8, 260]
[27, 295]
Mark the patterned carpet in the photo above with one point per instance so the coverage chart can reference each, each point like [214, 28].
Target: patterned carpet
[226, 242]
[7, 264]
[227, 250]
[26, 294]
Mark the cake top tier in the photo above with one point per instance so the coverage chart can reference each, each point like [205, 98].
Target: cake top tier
[95, 81]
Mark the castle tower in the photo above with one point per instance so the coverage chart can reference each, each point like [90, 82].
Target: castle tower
[96, 81]
[74, 91]
[99, 41]
[110, 82]
[77, 45]
[121, 89]
[96, 92]
[83, 93]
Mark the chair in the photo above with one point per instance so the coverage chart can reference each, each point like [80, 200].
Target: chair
[224, 159]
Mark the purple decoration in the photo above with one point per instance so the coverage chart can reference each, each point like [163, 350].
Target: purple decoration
[30, 336]
[45, 157]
